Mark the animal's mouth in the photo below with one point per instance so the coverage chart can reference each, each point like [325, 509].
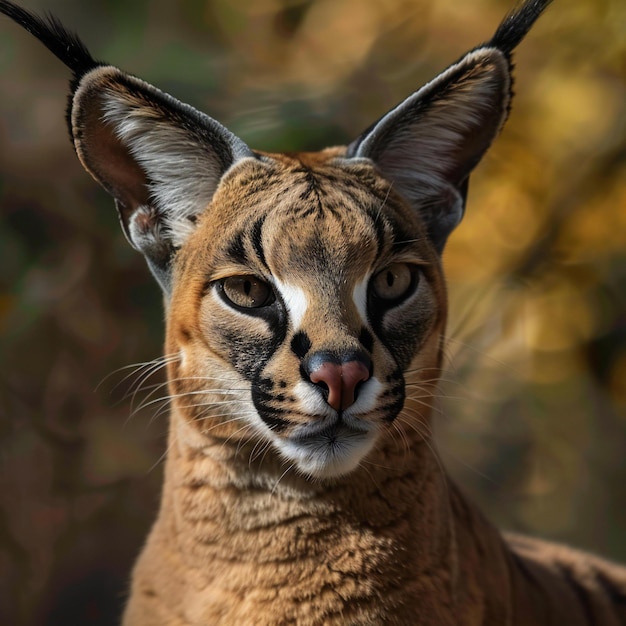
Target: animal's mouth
[334, 429]
[331, 449]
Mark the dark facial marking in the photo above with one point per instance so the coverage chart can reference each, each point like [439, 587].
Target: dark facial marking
[248, 354]
[401, 237]
[275, 423]
[366, 339]
[395, 394]
[256, 234]
[236, 249]
[393, 409]
[300, 344]
[402, 340]
[264, 402]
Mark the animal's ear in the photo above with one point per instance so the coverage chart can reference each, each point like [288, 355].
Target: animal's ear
[159, 158]
[428, 145]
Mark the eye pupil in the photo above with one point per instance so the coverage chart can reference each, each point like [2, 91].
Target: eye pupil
[246, 292]
[395, 283]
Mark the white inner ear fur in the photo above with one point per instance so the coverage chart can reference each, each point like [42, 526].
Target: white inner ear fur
[425, 150]
[183, 176]
[182, 151]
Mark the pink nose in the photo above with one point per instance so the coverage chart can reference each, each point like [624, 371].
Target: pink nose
[341, 380]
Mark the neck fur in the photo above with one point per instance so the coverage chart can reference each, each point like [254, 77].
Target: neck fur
[391, 536]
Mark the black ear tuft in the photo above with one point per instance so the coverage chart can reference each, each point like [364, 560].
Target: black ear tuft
[516, 25]
[159, 158]
[428, 145]
[64, 44]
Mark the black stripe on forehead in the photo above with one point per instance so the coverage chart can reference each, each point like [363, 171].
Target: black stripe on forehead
[313, 197]
[389, 228]
[247, 244]
[256, 236]
[379, 229]
[236, 250]
[402, 238]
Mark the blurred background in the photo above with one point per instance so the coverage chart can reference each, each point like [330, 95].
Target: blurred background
[532, 418]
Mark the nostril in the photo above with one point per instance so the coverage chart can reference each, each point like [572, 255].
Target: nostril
[357, 389]
[323, 386]
[328, 378]
[339, 382]
[354, 374]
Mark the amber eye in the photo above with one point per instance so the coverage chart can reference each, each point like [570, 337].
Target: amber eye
[394, 282]
[248, 292]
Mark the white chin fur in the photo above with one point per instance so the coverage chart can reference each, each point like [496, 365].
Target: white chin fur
[321, 456]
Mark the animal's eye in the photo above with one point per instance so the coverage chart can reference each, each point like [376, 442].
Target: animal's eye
[247, 292]
[395, 282]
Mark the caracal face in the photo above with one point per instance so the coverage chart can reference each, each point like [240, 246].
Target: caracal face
[298, 261]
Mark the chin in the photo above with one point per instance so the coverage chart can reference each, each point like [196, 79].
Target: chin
[330, 454]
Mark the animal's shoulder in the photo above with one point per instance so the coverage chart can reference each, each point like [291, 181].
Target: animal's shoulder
[583, 583]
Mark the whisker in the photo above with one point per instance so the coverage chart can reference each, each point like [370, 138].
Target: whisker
[264, 451]
[363, 464]
[202, 392]
[137, 367]
[439, 396]
[237, 418]
[161, 458]
[243, 428]
[483, 353]
[425, 436]
[264, 448]
[290, 466]
[403, 438]
[383, 203]
[145, 376]
[155, 388]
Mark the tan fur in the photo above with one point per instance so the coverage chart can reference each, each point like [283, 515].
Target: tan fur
[242, 538]
[306, 311]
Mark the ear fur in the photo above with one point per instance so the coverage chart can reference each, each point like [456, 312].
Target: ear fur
[161, 159]
[429, 144]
